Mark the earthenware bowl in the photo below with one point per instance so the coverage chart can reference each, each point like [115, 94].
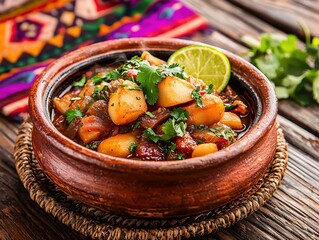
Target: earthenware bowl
[148, 188]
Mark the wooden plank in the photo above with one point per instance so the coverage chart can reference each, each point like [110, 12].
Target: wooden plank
[299, 137]
[230, 20]
[305, 117]
[20, 217]
[286, 15]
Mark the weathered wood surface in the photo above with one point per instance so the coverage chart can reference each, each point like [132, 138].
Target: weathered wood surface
[293, 211]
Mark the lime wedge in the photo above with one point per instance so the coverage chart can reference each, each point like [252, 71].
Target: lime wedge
[204, 62]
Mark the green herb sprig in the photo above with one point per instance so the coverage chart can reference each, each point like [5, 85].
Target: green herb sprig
[293, 71]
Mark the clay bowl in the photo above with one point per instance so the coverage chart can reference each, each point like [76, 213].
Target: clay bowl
[147, 188]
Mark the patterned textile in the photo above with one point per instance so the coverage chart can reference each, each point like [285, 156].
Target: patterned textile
[32, 40]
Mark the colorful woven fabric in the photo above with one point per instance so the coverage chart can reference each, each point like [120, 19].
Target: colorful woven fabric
[31, 41]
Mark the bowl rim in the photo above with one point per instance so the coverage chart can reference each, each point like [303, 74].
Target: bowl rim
[38, 116]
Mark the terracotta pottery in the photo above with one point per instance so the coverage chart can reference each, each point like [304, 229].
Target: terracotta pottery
[147, 188]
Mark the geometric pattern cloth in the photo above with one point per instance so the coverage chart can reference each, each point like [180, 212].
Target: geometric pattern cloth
[35, 33]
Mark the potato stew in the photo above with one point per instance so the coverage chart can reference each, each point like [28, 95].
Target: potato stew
[147, 110]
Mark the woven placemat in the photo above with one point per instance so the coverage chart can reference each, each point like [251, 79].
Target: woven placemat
[103, 225]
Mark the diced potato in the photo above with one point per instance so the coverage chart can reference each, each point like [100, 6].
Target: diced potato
[205, 135]
[232, 120]
[204, 149]
[126, 105]
[87, 90]
[151, 59]
[173, 91]
[118, 145]
[91, 128]
[212, 111]
[63, 104]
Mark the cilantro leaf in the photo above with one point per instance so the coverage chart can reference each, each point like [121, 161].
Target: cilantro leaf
[133, 147]
[172, 70]
[149, 77]
[80, 83]
[172, 129]
[107, 76]
[197, 96]
[179, 114]
[210, 89]
[151, 115]
[92, 146]
[229, 107]
[151, 135]
[72, 114]
[293, 71]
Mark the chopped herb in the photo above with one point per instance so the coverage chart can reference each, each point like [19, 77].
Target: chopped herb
[72, 114]
[75, 98]
[229, 107]
[172, 129]
[173, 70]
[80, 83]
[179, 114]
[210, 89]
[294, 72]
[96, 92]
[129, 87]
[149, 77]
[198, 141]
[92, 146]
[197, 96]
[136, 125]
[112, 104]
[99, 93]
[151, 135]
[180, 157]
[226, 133]
[202, 126]
[151, 115]
[138, 98]
[132, 147]
[107, 76]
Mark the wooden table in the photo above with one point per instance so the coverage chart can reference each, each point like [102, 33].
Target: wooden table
[293, 211]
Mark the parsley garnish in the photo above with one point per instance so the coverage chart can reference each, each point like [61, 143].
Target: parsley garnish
[179, 114]
[136, 125]
[72, 114]
[129, 87]
[132, 147]
[151, 135]
[197, 96]
[92, 146]
[149, 77]
[80, 83]
[151, 115]
[226, 133]
[229, 107]
[107, 76]
[172, 129]
[210, 89]
[293, 71]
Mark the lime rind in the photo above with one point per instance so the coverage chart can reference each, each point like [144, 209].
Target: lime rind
[204, 62]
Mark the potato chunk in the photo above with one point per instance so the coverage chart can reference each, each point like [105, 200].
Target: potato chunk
[173, 91]
[232, 120]
[212, 111]
[63, 104]
[118, 145]
[151, 59]
[126, 105]
[204, 149]
[91, 128]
